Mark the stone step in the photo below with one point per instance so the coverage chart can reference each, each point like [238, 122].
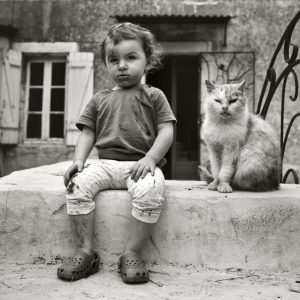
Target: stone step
[197, 227]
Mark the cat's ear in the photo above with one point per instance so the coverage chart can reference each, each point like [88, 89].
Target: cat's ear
[242, 86]
[210, 87]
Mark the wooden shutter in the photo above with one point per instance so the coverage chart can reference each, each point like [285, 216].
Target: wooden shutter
[10, 97]
[80, 78]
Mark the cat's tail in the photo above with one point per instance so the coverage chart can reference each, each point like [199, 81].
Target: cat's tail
[204, 174]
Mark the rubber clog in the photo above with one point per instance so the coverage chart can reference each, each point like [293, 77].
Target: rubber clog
[132, 268]
[81, 266]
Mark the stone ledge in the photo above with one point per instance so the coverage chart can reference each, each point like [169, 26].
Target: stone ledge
[199, 227]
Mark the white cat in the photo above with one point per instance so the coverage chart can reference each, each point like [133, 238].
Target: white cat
[243, 148]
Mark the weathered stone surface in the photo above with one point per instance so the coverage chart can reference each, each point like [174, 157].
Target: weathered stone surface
[39, 281]
[199, 227]
[255, 26]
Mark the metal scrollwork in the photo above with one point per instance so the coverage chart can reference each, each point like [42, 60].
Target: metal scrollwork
[290, 54]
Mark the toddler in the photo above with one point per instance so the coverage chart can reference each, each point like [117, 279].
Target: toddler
[131, 126]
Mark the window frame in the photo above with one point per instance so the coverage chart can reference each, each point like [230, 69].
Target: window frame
[46, 109]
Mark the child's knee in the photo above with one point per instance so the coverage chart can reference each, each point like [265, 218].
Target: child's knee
[79, 202]
[79, 207]
[148, 198]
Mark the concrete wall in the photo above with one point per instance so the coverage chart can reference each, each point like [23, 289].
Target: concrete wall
[255, 26]
[197, 227]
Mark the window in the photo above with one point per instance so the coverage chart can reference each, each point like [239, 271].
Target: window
[58, 85]
[46, 93]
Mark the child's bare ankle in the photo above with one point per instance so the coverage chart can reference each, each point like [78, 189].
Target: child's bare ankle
[88, 251]
[126, 251]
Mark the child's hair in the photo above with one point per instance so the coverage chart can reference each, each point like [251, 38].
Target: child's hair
[129, 31]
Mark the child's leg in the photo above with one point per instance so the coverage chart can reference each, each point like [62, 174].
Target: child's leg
[80, 206]
[80, 203]
[147, 201]
[85, 261]
[82, 230]
[138, 233]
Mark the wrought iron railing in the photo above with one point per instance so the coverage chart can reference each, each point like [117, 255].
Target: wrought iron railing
[290, 53]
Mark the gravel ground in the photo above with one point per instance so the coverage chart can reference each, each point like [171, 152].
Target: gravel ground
[39, 281]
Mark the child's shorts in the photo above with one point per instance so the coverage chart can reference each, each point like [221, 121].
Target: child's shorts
[106, 174]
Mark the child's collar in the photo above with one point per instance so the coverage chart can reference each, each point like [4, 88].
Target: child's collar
[116, 88]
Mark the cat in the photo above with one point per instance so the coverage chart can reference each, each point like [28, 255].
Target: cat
[243, 149]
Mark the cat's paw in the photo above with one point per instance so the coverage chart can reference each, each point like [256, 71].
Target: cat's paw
[224, 187]
[213, 186]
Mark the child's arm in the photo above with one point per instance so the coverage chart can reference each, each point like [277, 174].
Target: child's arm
[83, 148]
[159, 148]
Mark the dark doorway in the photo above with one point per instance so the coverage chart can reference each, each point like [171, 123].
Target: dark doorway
[179, 80]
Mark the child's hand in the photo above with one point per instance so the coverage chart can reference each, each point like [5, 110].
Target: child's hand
[142, 167]
[77, 166]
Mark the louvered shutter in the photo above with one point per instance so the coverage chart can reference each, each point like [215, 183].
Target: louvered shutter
[80, 78]
[10, 97]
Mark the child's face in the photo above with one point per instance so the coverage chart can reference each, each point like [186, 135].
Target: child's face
[126, 62]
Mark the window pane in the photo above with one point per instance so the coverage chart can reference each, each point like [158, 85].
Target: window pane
[56, 125]
[34, 126]
[57, 99]
[58, 73]
[36, 73]
[35, 99]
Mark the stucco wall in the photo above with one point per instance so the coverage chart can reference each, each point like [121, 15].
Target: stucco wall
[197, 227]
[255, 26]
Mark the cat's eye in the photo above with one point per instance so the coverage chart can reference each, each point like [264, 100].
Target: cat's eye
[232, 100]
[218, 100]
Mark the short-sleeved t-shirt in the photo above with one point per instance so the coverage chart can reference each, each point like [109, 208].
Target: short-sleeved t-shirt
[125, 120]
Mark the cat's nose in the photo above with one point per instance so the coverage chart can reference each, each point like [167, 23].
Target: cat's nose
[225, 108]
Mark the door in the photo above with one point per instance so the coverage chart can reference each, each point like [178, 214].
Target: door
[182, 80]
[179, 80]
